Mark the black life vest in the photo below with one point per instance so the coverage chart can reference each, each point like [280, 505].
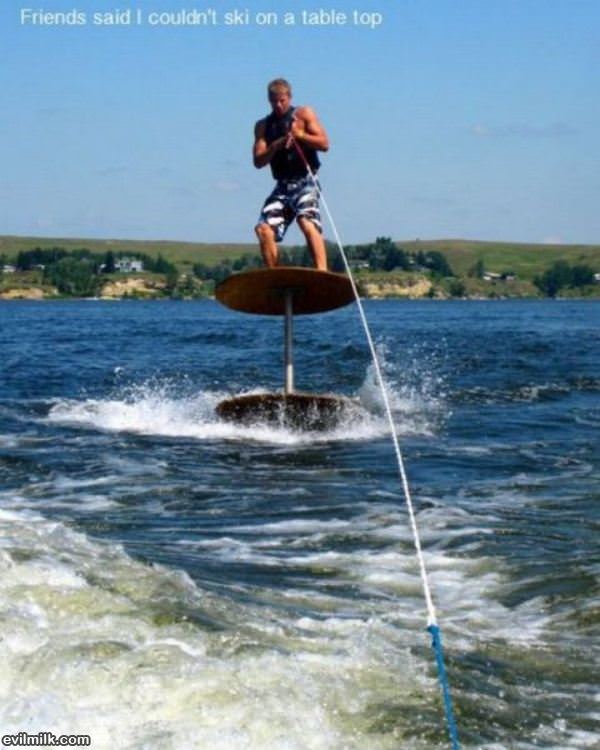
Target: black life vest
[287, 163]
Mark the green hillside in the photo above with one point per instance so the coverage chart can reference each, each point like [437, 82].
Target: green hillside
[182, 254]
[525, 260]
[436, 268]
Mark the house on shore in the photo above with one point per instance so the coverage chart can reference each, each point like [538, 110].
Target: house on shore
[129, 265]
[126, 265]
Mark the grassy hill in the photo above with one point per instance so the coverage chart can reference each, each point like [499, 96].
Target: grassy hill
[525, 260]
[182, 254]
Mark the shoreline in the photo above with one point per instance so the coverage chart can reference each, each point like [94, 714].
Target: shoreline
[380, 298]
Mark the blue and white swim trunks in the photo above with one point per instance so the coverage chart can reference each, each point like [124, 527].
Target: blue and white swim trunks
[289, 200]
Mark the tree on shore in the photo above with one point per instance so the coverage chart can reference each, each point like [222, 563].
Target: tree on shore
[109, 263]
[75, 277]
[477, 270]
[563, 276]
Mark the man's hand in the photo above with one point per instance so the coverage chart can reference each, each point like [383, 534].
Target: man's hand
[307, 129]
[297, 132]
[279, 143]
[261, 152]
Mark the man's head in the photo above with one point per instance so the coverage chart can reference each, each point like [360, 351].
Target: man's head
[280, 95]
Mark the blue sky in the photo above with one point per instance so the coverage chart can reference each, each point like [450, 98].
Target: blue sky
[453, 118]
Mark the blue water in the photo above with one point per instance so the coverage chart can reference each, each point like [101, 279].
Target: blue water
[171, 581]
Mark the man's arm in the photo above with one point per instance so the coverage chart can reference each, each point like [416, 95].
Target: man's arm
[307, 129]
[261, 152]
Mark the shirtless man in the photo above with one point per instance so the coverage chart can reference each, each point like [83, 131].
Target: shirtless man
[278, 138]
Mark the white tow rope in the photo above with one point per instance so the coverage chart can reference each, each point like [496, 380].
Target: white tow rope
[432, 625]
[431, 617]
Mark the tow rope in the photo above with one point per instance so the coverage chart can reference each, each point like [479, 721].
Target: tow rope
[432, 625]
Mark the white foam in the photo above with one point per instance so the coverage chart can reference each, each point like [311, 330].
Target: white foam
[195, 418]
[169, 409]
[467, 589]
[91, 645]
[8, 441]
[94, 642]
[296, 526]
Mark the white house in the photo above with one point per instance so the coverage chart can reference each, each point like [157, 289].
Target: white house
[129, 265]
[491, 276]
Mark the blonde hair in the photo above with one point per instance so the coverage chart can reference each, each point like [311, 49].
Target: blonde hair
[277, 85]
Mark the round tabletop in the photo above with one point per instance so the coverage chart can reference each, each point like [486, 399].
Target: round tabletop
[263, 290]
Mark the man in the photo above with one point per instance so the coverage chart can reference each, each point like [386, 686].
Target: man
[288, 140]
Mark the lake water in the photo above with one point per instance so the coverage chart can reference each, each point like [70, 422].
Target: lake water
[171, 581]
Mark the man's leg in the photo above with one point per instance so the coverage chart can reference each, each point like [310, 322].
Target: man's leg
[315, 242]
[273, 222]
[268, 246]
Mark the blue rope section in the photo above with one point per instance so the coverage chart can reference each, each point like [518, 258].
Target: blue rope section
[436, 644]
